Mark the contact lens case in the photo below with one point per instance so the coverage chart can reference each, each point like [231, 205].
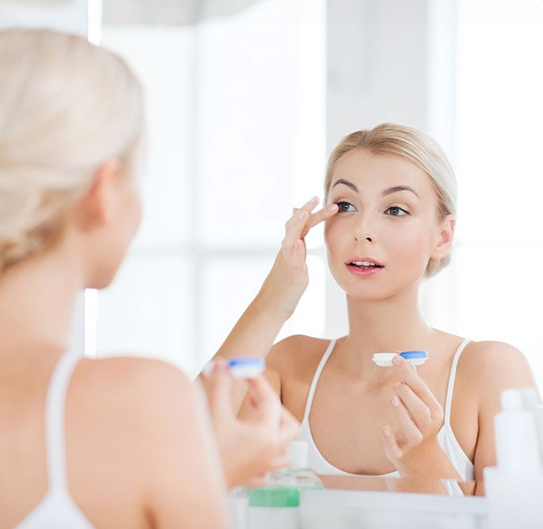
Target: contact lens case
[416, 358]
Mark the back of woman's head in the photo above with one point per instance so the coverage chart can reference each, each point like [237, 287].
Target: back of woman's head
[390, 139]
[66, 107]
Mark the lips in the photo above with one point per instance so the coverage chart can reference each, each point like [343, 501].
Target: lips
[364, 266]
[364, 262]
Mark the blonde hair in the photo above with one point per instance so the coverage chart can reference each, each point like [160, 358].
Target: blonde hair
[414, 146]
[66, 107]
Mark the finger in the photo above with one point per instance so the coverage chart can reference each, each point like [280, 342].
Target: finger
[408, 374]
[392, 450]
[417, 409]
[266, 401]
[280, 461]
[323, 214]
[303, 212]
[257, 481]
[295, 225]
[412, 434]
[289, 428]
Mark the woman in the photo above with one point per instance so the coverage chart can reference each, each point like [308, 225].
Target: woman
[389, 217]
[109, 443]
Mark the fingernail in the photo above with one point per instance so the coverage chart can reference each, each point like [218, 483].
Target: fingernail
[314, 199]
[332, 207]
[386, 431]
[395, 402]
[397, 385]
[397, 360]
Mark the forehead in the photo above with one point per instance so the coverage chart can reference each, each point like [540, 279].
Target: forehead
[370, 172]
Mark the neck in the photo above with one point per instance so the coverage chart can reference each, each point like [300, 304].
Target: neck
[37, 299]
[384, 326]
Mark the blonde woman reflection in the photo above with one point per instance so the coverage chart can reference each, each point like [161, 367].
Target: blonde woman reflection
[111, 443]
[389, 224]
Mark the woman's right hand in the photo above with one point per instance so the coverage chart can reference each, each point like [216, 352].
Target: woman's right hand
[249, 449]
[288, 277]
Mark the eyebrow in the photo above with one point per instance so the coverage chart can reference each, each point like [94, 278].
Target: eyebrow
[386, 192]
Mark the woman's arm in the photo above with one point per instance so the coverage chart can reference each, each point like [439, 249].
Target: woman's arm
[258, 327]
[184, 484]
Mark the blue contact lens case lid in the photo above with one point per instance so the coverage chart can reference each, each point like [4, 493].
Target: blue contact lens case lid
[413, 355]
[246, 361]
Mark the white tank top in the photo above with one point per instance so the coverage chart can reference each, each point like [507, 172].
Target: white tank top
[57, 509]
[445, 436]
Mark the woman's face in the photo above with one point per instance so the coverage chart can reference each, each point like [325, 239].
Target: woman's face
[387, 216]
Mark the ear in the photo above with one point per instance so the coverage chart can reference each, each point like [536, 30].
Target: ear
[444, 238]
[97, 206]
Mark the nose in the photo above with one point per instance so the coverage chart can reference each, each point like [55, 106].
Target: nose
[368, 238]
[363, 230]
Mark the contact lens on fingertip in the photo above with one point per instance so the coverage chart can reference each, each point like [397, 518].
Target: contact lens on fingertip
[415, 358]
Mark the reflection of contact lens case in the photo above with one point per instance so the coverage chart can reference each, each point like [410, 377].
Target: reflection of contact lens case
[416, 358]
[246, 366]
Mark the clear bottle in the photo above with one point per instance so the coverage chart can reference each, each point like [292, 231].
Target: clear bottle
[276, 505]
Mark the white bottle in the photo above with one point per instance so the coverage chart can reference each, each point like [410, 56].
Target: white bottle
[514, 488]
[517, 445]
[529, 399]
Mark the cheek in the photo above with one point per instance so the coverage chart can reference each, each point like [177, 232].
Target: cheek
[334, 234]
[412, 244]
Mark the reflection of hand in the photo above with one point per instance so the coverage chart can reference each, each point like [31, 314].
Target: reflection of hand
[249, 449]
[288, 277]
[414, 448]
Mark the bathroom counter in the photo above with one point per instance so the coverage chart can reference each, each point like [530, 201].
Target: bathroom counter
[350, 509]
[353, 502]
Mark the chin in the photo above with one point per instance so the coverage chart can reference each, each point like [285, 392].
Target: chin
[367, 290]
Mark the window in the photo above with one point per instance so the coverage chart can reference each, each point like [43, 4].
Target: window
[236, 137]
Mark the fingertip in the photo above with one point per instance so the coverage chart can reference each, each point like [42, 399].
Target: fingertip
[220, 365]
[386, 431]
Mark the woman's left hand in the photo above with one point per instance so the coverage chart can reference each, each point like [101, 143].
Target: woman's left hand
[414, 447]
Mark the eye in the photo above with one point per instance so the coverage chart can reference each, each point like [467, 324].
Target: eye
[396, 211]
[345, 207]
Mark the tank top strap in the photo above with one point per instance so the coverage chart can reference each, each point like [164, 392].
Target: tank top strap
[452, 377]
[316, 377]
[55, 424]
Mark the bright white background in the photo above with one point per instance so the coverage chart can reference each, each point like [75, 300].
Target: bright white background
[243, 110]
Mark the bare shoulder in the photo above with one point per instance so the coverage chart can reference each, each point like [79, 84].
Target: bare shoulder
[133, 398]
[490, 367]
[296, 355]
[133, 378]
[159, 443]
